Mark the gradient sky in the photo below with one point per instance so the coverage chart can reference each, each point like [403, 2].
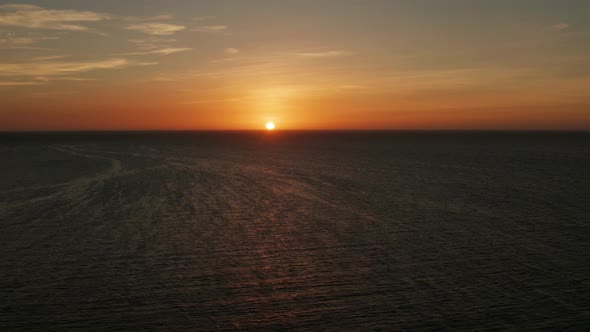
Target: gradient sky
[342, 64]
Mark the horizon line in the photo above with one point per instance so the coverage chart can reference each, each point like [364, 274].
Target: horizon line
[82, 131]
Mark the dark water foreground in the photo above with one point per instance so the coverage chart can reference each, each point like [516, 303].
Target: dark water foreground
[295, 231]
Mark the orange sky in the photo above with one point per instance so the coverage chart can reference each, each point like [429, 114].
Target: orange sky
[184, 65]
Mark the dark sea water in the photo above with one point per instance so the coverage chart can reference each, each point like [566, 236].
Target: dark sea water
[295, 231]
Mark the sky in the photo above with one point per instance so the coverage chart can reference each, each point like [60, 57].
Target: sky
[341, 64]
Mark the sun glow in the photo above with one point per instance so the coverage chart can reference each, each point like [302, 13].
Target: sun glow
[270, 125]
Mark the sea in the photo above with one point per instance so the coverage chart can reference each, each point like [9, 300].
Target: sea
[295, 231]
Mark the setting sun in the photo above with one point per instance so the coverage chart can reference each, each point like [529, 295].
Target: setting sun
[270, 125]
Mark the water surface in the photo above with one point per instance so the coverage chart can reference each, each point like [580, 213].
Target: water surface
[295, 231]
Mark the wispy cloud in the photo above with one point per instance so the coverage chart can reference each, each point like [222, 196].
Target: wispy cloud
[12, 47]
[560, 26]
[51, 57]
[327, 54]
[223, 60]
[35, 17]
[56, 68]
[202, 18]
[148, 18]
[61, 78]
[352, 87]
[12, 83]
[231, 50]
[54, 93]
[213, 101]
[151, 42]
[210, 28]
[11, 39]
[158, 29]
[163, 51]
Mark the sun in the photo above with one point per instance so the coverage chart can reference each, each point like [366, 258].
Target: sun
[270, 125]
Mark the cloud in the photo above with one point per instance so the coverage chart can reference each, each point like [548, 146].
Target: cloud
[54, 93]
[322, 54]
[34, 17]
[158, 29]
[560, 26]
[61, 78]
[212, 101]
[231, 51]
[149, 18]
[163, 51]
[17, 7]
[202, 18]
[56, 68]
[210, 28]
[151, 42]
[223, 60]
[12, 40]
[12, 83]
[51, 57]
[29, 48]
[75, 79]
[352, 87]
